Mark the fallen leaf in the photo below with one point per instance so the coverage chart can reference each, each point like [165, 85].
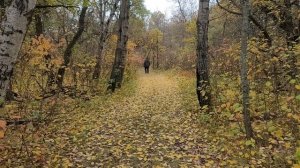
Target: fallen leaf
[3, 124]
[1, 133]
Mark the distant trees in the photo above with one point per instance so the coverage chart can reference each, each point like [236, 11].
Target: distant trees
[154, 38]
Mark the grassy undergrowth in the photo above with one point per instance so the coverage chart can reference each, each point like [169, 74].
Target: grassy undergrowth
[276, 139]
[41, 131]
[153, 120]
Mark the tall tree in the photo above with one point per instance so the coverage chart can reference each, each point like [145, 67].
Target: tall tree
[104, 28]
[118, 69]
[244, 67]
[13, 30]
[203, 85]
[68, 51]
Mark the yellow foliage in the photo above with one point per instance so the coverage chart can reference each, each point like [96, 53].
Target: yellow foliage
[296, 166]
[2, 128]
[42, 53]
[131, 46]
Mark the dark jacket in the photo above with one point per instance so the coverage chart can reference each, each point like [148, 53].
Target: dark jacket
[147, 63]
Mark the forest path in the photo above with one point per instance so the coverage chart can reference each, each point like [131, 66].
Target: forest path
[146, 129]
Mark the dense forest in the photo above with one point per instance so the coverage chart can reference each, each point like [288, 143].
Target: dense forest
[223, 88]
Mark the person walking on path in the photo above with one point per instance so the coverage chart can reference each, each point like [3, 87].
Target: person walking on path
[147, 65]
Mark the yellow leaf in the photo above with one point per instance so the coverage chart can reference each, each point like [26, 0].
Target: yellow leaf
[2, 128]
[268, 84]
[3, 124]
[296, 166]
[279, 134]
[232, 162]
[66, 163]
[297, 87]
[287, 145]
[1, 133]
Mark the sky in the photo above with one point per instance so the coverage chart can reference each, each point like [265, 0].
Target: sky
[162, 5]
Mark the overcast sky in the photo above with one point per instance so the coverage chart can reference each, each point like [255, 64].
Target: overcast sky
[162, 5]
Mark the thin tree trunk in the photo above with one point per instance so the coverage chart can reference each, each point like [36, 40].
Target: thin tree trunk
[244, 68]
[103, 37]
[203, 85]
[157, 54]
[153, 58]
[39, 28]
[14, 27]
[118, 69]
[291, 36]
[97, 68]
[68, 51]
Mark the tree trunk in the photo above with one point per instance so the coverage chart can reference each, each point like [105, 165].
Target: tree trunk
[203, 85]
[118, 69]
[153, 58]
[244, 68]
[97, 69]
[14, 27]
[157, 54]
[39, 28]
[292, 35]
[103, 37]
[68, 51]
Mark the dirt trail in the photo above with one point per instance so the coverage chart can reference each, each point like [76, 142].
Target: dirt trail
[148, 128]
[144, 130]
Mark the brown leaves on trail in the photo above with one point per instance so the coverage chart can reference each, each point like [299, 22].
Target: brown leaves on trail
[15, 117]
[2, 128]
[147, 123]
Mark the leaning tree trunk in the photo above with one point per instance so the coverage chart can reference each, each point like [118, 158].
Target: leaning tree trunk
[103, 37]
[203, 85]
[13, 30]
[68, 51]
[244, 68]
[117, 73]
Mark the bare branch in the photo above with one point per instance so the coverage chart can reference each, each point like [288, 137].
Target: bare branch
[252, 18]
[55, 6]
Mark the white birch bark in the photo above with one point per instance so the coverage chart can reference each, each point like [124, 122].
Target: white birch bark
[13, 30]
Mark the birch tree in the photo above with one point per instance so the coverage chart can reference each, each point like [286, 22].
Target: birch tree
[13, 30]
